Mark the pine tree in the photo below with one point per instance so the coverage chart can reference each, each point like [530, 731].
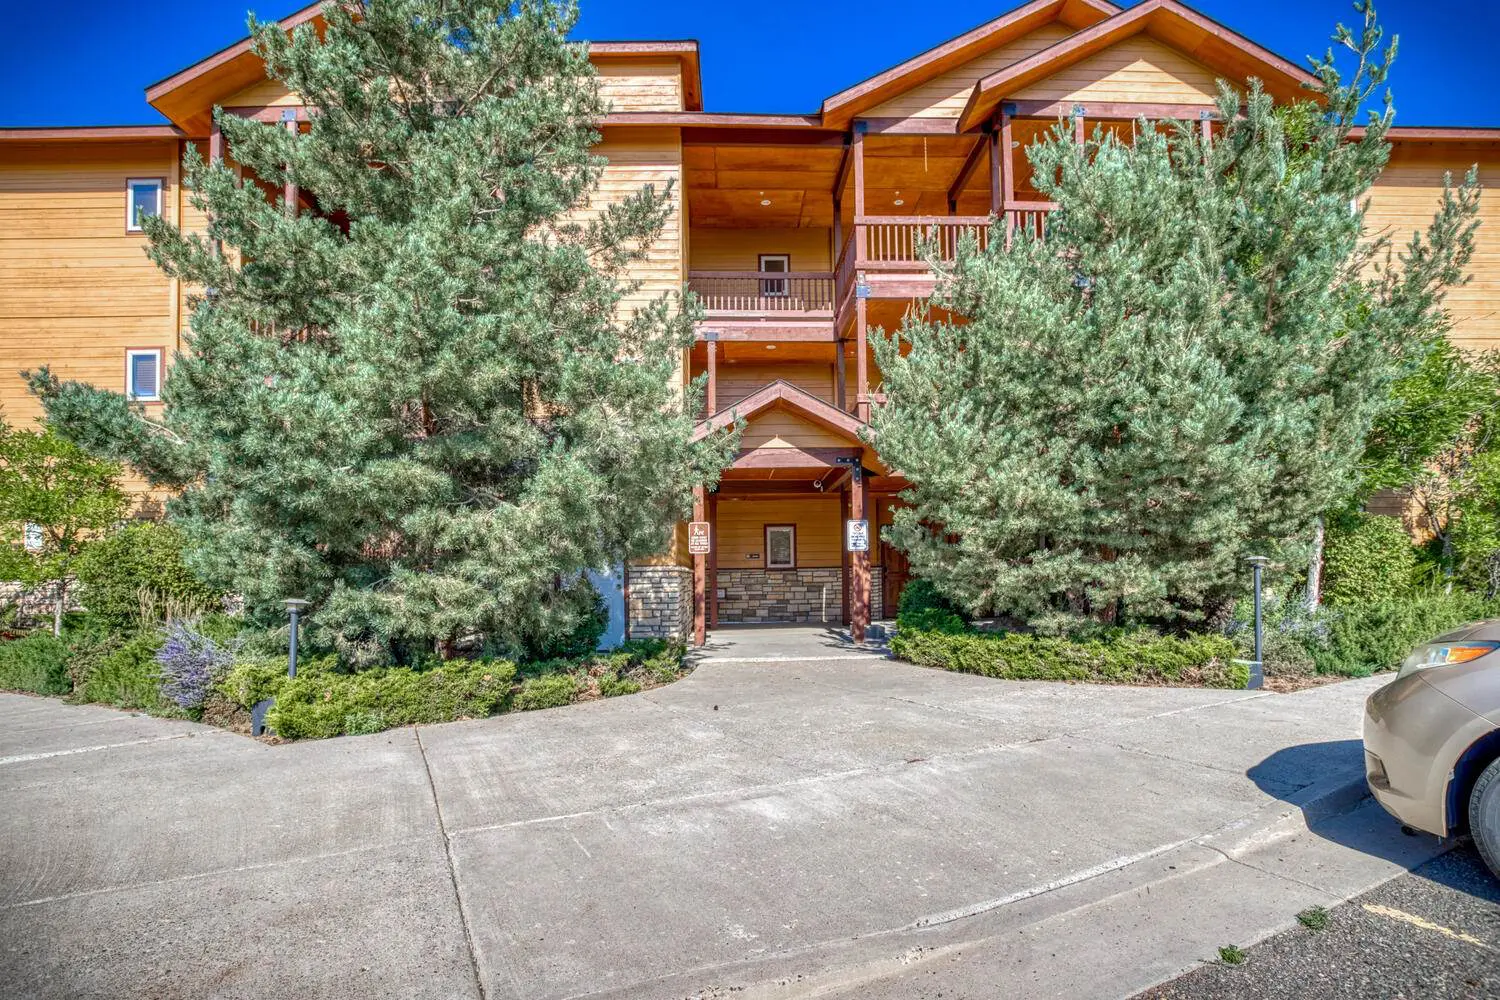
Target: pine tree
[1186, 370]
[422, 404]
[55, 501]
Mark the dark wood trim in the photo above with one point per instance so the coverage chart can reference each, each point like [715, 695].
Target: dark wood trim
[859, 563]
[768, 331]
[909, 126]
[700, 574]
[841, 175]
[766, 541]
[1122, 110]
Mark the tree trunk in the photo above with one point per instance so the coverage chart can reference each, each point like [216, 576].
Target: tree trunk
[1315, 568]
[57, 607]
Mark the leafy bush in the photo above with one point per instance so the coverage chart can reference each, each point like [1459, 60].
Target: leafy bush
[546, 691]
[191, 662]
[1365, 638]
[1368, 558]
[922, 595]
[1131, 658]
[138, 571]
[127, 675]
[932, 620]
[611, 685]
[319, 704]
[1290, 633]
[37, 663]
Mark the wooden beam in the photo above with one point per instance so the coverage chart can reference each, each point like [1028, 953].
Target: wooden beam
[861, 363]
[712, 397]
[1007, 167]
[971, 162]
[859, 174]
[1053, 110]
[909, 126]
[1078, 134]
[770, 332]
[840, 377]
[841, 175]
[789, 137]
[859, 563]
[289, 192]
[792, 458]
[845, 577]
[997, 196]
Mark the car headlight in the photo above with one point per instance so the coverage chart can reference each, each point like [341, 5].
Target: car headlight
[1439, 654]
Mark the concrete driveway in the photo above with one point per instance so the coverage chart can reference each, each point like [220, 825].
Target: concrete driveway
[840, 826]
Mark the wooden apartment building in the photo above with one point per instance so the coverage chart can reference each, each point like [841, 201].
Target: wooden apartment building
[799, 233]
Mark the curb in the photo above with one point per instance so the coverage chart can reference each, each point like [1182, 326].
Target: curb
[1297, 814]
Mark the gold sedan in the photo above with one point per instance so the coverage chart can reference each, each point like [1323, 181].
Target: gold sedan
[1432, 739]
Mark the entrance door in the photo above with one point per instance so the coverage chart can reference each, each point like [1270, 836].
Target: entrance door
[774, 263]
[897, 572]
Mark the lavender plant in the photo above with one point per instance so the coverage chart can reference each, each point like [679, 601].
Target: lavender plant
[190, 663]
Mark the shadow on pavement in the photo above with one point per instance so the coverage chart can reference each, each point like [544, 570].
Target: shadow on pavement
[1326, 781]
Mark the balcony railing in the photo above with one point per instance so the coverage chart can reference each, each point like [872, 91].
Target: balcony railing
[758, 293]
[904, 240]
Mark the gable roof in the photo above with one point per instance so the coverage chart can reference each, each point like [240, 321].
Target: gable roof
[782, 394]
[841, 108]
[1172, 23]
[187, 97]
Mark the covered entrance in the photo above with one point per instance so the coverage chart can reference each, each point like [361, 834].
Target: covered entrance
[779, 519]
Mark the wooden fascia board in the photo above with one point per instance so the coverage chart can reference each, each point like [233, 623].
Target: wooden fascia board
[93, 133]
[842, 108]
[787, 396]
[991, 90]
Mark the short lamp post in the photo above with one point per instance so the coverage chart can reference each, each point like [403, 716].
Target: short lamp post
[294, 605]
[1257, 665]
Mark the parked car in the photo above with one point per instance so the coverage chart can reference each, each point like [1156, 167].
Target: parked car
[1432, 739]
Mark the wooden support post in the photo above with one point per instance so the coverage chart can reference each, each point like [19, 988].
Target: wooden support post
[859, 183]
[846, 582]
[859, 604]
[861, 363]
[840, 377]
[838, 234]
[1078, 134]
[700, 575]
[712, 347]
[997, 198]
[1007, 170]
[1206, 125]
[713, 560]
[215, 145]
[289, 193]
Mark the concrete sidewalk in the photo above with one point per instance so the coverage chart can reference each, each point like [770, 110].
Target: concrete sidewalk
[835, 827]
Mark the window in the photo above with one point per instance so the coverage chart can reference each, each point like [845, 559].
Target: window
[143, 374]
[33, 537]
[142, 198]
[774, 263]
[781, 546]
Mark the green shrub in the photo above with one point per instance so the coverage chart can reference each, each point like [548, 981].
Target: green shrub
[139, 570]
[253, 680]
[1368, 558]
[37, 663]
[932, 620]
[611, 685]
[921, 595]
[547, 691]
[127, 676]
[318, 704]
[1365, 638]
[1133, 658]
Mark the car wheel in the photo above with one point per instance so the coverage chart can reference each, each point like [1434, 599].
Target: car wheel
[1484, 816]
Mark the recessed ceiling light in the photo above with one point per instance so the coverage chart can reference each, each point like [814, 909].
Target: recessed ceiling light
[765, 201]
[770, 347]
[898, 201]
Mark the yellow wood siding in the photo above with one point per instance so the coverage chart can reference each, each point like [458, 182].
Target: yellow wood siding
[627, 84]
[76, 289]
[944, 96]
[740, 249]
[777, 428]
[738, 379]
[1403, 201]
[638, 157]
[742, 523]
[641, 85]
[1137, 70]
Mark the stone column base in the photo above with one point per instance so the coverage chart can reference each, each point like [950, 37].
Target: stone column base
[661, 602]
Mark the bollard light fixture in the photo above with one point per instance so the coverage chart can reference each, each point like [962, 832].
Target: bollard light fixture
[294, 606]
[1257, 665]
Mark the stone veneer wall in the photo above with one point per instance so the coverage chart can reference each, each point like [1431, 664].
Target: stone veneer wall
[661, 602]
[877, 594]
[781, 595]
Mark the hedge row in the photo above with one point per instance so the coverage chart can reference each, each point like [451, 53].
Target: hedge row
[1132, 658]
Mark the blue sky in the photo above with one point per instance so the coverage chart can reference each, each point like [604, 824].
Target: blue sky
[93, 69]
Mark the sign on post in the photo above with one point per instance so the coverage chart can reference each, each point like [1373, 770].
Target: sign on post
[698, 538]
[857, 535]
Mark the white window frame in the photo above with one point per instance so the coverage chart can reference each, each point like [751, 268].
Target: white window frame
[131, 183]
[131, 353]
[791, 530]
[771, 287]
[33, 539]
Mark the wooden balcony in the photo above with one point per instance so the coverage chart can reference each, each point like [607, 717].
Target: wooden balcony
[754, 294]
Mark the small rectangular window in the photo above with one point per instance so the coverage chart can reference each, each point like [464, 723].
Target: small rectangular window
[33, 537]
[142, 198]
[774, 263]
[143, 374]
[781, 546]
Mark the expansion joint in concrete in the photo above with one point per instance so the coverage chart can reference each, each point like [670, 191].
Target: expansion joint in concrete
[458, 899]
